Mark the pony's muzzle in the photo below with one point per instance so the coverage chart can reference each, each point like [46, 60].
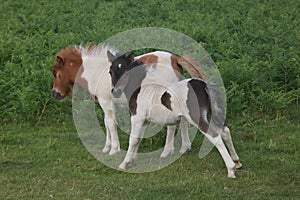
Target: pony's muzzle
[57, 95]
[116, 93]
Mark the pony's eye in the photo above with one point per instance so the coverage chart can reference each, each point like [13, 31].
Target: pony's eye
[54, 74]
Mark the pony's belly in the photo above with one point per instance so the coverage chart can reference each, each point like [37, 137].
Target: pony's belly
[161, 115]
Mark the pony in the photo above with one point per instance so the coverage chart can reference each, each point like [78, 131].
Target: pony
[88, 66]
[168, 103]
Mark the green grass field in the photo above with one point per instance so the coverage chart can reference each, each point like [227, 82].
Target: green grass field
[46, 162]
[255, 45]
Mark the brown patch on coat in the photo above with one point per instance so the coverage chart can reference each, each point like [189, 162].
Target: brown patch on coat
[149, 59]
[166, 100]
[177, 67]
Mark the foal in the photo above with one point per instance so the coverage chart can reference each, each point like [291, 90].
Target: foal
[169, 103]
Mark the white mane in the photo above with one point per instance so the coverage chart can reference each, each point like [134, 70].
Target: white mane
[96, 65]
[98, 51]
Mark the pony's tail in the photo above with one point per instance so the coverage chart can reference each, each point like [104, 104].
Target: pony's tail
[217, 117]
[217, 107]
[191, 66]
[217, 101]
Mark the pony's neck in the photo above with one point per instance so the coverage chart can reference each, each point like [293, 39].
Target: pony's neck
[136, 75]
[79, 80]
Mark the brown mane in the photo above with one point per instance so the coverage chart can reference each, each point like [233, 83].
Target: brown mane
[192, 66]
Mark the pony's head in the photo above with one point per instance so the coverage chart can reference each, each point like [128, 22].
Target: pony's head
[120, 66]
[68, 62]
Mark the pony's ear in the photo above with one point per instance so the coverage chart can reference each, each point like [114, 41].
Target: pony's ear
[111, 57]
[59, 61]
[118, 54]
[131, 57]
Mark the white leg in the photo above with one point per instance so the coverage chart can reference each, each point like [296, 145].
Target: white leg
[110, 124]
[169, 146]
[227, 138]
[140, 138]
[136, 136]
[186, 143]
[107, 146]
[218, 142]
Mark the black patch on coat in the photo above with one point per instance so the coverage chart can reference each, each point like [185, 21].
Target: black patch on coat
[166, 100]
[132, 101]
[198, 103]
[133, 86]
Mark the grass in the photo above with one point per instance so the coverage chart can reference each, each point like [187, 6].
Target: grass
[46, 162]
[255, 45]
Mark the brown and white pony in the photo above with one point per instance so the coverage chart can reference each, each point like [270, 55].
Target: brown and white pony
[89, 67]
[168, 103]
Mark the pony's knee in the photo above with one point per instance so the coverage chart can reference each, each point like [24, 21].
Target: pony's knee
[226, 133]
[109, 121]
[226, 130]
[134, 141]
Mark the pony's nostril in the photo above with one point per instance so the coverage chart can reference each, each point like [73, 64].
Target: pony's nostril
[56, 95]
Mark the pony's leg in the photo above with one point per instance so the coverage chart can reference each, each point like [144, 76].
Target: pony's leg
[110, 124]
[142, 133]
[218, 142]
[107, 146]
[136, 136]
[227, 138]
[169, 146]
[186, 143]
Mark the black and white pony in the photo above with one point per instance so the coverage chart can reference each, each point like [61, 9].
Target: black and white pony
[188, 100]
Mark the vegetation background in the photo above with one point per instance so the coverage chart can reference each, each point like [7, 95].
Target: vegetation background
[256, 46]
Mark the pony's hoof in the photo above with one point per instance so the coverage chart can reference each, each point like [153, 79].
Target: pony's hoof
[185, 149]
[106, 149]
[166, 153]
[231, 173]
[113, 151]
[231, 176]
[238, 165]
[123, 166]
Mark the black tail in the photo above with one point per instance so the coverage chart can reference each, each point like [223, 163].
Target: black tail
[204, 100]
[217, 109]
